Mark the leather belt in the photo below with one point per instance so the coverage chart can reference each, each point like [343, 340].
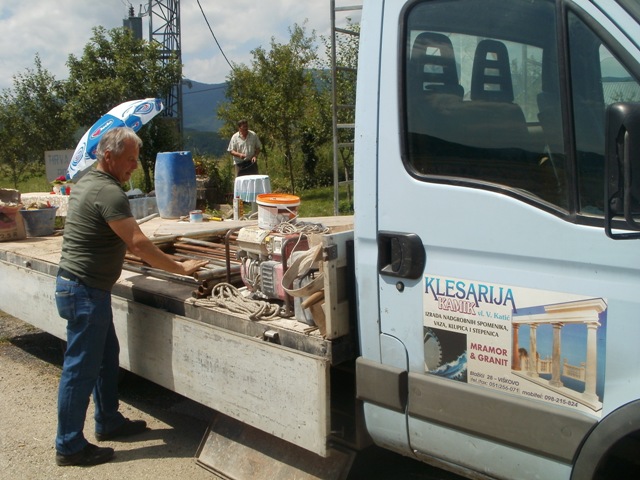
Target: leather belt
[66, 275]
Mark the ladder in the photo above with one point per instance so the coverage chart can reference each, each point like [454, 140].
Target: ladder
[342, 103]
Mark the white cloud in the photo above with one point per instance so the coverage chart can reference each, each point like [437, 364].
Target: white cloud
[56, 29]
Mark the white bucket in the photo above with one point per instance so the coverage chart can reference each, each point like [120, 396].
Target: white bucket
[275, 208]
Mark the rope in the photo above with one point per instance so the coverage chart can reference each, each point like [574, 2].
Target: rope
[225, 295]
[306, 228]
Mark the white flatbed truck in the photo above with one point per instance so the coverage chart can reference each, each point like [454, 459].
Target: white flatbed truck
[491, 326]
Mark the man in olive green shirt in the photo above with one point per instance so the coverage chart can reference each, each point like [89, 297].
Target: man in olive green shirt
[98, 231]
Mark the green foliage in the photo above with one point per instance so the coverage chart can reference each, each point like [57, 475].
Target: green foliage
[285, 93]
[31, 122]
[220, 177]
[116, 67]
[277, 95]
[37, 182]
[205, 143]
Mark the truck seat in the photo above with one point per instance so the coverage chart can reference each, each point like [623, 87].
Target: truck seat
[481, 138]
[491, 119]
[433, 90]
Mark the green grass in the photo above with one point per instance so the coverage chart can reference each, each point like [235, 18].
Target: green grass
[318, 202]
[315, 202]
[35, 184]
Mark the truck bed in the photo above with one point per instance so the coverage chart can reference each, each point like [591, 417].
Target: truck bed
[270, 374]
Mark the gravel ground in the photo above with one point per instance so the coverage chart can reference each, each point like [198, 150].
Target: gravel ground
[30, 364]
[29, 373]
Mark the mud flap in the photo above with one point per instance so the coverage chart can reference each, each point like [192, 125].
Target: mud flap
[236, 451]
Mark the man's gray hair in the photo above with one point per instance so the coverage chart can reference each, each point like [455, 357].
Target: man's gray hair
[114, 141]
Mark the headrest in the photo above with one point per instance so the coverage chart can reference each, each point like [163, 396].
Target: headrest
[435, 63]
[491, 75]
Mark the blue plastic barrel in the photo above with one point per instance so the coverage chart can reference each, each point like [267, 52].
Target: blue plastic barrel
[175, 184]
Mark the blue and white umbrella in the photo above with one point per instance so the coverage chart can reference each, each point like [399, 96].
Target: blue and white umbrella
[134, 114]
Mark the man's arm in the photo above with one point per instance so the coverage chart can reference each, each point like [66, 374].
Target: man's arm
[138, 244]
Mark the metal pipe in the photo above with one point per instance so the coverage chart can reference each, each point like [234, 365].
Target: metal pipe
[154, 272]
[211, 273]
[147, 218]
[214, 262]
[204, 253]
[219, 250]
[201, 243]
[227, 248]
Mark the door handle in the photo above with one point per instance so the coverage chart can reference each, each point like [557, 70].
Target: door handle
[401, 255]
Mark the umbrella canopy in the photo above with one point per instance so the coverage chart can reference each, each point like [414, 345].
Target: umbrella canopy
[133, 114]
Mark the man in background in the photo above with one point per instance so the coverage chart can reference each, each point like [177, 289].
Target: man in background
[245, 147]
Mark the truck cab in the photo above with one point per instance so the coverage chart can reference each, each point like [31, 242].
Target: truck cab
[497, 259]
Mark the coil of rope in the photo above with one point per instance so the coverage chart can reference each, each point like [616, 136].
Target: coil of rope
[225, 295]
[306, 228]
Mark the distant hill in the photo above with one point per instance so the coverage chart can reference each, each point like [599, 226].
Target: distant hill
[199, 105]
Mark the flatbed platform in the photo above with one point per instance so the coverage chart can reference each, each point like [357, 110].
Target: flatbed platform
[270, 374]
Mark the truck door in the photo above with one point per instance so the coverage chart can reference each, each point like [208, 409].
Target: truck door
[498, 287]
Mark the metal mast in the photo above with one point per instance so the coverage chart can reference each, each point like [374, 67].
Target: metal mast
[164, 28]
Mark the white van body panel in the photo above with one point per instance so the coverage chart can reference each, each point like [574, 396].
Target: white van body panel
[480, 235]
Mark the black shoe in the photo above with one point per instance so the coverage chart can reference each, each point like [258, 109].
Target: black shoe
[127, 429]
[89, 455]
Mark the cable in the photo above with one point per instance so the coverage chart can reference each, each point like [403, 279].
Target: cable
[306, 228]
[206, 90]
[214, 36]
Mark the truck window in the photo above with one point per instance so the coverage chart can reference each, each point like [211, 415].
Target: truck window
[482, 101]
[598, 80]
[481, 97]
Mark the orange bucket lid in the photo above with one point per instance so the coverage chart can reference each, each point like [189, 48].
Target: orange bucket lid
[278, 199]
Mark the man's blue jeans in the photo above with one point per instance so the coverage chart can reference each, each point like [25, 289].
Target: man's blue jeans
[91, 363]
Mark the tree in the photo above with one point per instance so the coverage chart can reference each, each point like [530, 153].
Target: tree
[116, 67]
[32, 121]
[275, 93]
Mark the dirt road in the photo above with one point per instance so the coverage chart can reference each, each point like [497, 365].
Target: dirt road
[30, 363]
[29, 374]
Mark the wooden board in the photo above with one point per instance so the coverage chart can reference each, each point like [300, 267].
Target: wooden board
[336, 305]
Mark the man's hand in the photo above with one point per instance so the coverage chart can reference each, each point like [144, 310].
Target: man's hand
[191, 266]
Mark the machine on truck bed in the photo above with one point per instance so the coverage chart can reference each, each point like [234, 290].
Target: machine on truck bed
[482, 314]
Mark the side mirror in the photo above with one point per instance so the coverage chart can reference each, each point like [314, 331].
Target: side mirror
[622, 169]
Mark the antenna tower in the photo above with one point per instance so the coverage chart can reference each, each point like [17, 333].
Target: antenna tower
[164, 28]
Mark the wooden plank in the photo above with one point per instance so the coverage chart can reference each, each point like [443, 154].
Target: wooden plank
[335, 270]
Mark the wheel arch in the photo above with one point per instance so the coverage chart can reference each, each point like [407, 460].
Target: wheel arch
[622, 422]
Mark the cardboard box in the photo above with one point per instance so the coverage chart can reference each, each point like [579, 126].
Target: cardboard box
[11, 223]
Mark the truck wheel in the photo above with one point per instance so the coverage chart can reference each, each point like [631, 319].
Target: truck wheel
[611, 449]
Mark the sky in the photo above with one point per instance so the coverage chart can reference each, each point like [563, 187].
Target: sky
[56, 29]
